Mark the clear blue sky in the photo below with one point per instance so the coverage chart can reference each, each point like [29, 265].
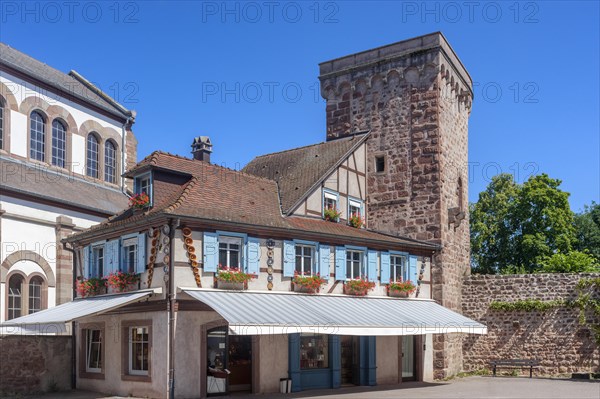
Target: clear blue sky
[246, 73]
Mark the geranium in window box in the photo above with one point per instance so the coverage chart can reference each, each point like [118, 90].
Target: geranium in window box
[123, 282]
[356, 221]
[307, 284]
[139, 201]
[331, 214]
[91, 287]
[232, 278]
[401, 289]
[358, 287]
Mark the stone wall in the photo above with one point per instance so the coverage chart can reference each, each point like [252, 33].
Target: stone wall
[553, 336]
[32, 364]
[415, 99]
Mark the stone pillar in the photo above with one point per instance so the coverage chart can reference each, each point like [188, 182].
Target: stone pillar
[64, 261]
[415, 98]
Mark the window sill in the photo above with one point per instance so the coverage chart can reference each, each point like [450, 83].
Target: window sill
[91, 375]
[137, 378]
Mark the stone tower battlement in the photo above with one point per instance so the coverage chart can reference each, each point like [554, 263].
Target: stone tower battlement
[415, 98]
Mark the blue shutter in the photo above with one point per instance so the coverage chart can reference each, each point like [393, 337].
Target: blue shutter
[289, 258]
[385, 267]
[111, 264]
[340, 263]
[412, 269]
[324, 252]
[87, 270]
[372, 265]
[136, 185]
[253, 256]
[141, 254]
[211, 252]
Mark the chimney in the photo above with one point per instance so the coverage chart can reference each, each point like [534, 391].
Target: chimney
[201, 148]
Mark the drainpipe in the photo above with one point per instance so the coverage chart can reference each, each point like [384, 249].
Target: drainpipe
[123, 133]
[73, 333]
[174, 224]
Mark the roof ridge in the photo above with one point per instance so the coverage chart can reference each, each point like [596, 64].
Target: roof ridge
[201, 163]
[349, 138]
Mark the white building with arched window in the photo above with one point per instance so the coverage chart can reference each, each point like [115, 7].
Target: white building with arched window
[63, 147]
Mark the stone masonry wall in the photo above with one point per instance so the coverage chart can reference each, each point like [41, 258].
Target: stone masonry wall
[32, 364]
[415, 99]
[553, 336]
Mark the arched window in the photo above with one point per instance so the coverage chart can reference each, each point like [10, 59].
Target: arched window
[35, 294]
[15, 297]
[59, 143]
[37, 141]
[110, 162]
[93, 155]
[1, 125]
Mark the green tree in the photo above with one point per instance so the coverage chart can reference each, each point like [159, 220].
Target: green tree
[572, 262]
[515, 227]
[587, 228]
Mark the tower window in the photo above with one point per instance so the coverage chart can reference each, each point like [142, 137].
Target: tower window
[380, 164]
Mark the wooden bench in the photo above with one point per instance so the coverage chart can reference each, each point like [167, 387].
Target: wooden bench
[515, 364]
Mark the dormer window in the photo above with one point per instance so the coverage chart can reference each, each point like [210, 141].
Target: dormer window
[143, 184]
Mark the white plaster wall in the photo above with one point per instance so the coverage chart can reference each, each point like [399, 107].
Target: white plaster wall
[113, 384]
[22, 89]
[273, 361]
[428, 358]
[18, 133]
[78, 154]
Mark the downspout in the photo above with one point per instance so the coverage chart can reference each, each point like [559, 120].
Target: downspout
[171, 310]
[123, 134]
[76, 263]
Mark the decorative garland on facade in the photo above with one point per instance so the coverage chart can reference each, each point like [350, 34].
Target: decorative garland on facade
[420, 278]
[188, 243]
[154, 233]
[270, 261]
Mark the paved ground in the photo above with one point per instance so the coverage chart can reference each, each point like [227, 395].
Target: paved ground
[467, 388]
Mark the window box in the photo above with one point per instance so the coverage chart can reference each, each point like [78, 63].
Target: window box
[231, 285]
[401, 289]
[358, 287]
[122, 282]
[307, 284]
[91, 287]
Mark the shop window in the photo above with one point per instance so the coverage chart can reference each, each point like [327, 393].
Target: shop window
[314, 351]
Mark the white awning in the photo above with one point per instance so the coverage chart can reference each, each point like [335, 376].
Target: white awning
[264, 313]
[53, 320]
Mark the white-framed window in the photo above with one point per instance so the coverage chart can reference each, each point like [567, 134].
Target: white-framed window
[398, 267]
[15, 297]
[35, 294]
[139, 350]
[330, 200]
[37, 137]
[98, 261]
[93, 345]
[93, 155]
[355, 208]
[130, 254]
[305, 260]
[110, 162]
[59, 143]
[230, 251]
[355, 264]
[143, 184]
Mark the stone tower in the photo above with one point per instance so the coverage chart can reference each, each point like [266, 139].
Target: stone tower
[415, 97]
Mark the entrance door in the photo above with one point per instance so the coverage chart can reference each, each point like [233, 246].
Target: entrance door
[350, 360]
[240, 363]
[216, 350]
[408, 358]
